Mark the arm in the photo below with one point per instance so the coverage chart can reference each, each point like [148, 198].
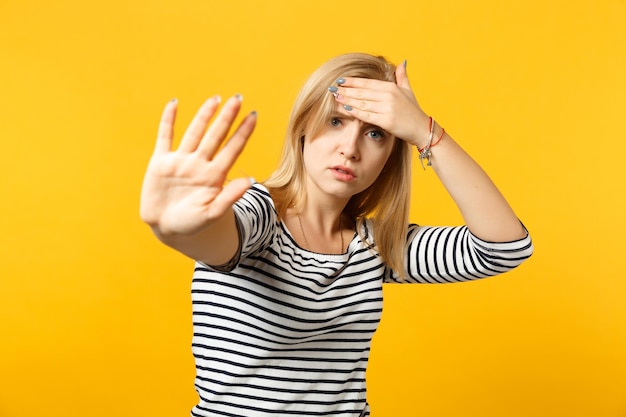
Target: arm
[184, 199]
[452, 254]
[394, 108]
[485, 211]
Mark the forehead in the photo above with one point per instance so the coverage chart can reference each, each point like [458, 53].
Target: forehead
[340, 111]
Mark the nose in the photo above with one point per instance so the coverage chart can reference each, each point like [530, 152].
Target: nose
[349, 147]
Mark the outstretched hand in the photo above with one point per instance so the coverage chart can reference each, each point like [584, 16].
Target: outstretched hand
[184, 190]
[391, 106]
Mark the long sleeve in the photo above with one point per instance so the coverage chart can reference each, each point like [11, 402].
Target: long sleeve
[453, 254]
[256, 220]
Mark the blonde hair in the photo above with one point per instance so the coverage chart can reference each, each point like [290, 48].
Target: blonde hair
[386, 201]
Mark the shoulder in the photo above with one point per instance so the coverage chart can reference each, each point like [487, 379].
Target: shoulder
[257, 198]
[259, 191]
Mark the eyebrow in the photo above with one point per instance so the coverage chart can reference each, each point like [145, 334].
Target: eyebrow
[339, 115]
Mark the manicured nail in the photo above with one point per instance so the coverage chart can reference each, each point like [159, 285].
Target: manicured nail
[252, 181]
[404, 63]
[253, 113]
[217, 98]
[340, 81]
[347, 107]
[332, 89]
[174, 100]
[239, 97]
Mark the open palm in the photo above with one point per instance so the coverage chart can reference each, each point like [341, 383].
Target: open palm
[184, 190]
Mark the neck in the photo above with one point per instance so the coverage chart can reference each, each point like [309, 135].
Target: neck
[306, 241]
[317, 238]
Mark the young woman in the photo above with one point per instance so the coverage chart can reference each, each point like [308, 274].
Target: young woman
[287, 289]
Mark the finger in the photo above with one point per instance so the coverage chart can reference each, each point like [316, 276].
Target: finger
[231, 192]
[368, 83]
[358, 94]
[218, 130]
[374, 101]
[166, 128]
[227, 156]
[372, 106]
[363, 115]
[402, 78]
[198, 125]
[363, 99]
[365, 94]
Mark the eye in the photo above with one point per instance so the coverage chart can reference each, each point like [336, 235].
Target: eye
[335, 121]
[377, 135]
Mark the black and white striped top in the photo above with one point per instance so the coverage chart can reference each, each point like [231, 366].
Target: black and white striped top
[286, 332]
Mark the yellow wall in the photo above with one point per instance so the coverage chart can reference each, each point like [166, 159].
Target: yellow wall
[95, 313]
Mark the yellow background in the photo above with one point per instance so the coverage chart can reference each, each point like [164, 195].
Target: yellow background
[95, 315]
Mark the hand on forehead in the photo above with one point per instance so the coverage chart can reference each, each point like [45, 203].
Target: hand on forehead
[385, 104]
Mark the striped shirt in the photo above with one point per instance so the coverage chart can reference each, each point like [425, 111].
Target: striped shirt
[286, 332]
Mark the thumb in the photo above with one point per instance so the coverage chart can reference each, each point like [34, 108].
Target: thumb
[402, 79]
[231, 192]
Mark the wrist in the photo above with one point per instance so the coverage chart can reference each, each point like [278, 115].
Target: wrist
[435, 134]
[422, 131]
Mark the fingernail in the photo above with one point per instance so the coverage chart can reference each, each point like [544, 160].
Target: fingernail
[404, 63]
[217, 98]
[252, 181]
[239, 97]
[347, 107]
[332, 89]
[174, 100]
[340, 81]
[254, 113]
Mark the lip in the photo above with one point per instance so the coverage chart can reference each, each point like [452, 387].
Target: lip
[343, 173]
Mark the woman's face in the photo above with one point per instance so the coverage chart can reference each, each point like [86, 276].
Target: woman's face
[346, 157]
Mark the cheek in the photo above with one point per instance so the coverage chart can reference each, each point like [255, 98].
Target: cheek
[378, 163]
[380, 156]
[390, 150]
[319, 145]
[374, 168]
[312, 153]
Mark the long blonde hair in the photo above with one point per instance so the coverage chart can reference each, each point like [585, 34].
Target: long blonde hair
[386, 201]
